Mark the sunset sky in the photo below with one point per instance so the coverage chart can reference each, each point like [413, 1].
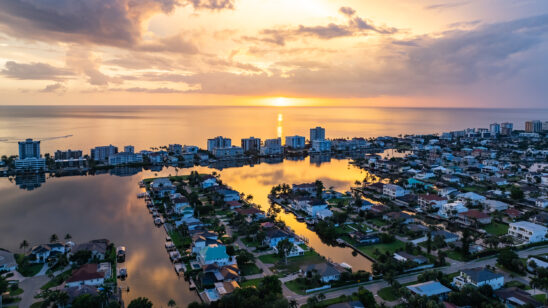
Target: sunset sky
[424, 53]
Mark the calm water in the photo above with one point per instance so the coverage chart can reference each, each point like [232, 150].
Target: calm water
[144, 127]
[105, 206]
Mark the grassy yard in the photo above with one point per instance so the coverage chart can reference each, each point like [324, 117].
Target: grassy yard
[332, 301]
[391, 247]
[293, 263]
[269, 259]
[496, 228]
[388, 294]
[250, 269]
[378, 222]
[27, 269]
[299, 287]
[540, 297]
[455, 255]
[251, 283]
[57, 280]
[181, 242]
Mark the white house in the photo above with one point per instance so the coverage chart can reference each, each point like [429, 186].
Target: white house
[495, 205]
[431, 200]
[88, 274]
[327, 271]
[452, 209]
[7, 261]
[315, 206]
[471, 197]
[479, 277]
[214, 254]
[542, 202]
[527, 231]
[393, 191]
[209, 181]
[537, 262]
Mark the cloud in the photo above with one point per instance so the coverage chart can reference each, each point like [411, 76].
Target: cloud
[56, 87]
[213, 4]
[346, 10]
[146, 90]
[324, 32]
[175, 44]
[448, 5]
[83, 61]
[35, 71]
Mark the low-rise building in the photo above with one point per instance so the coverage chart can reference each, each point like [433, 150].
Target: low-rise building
[87, 274]
[479, 277]
[327, 271]
[393, 191]
[452, 209]
[404, 257]
[527, 232]
[473, 217]
[7, 261]
[429, 289]
[431, 201]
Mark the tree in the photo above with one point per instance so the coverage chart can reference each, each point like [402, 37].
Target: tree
[24, 245]
[510, 260]
[171, 303]
[53, 238]
[284, 248]
[140, 302]
[516, 193]
[466, 242]
[68, 237]
[366, 297]
[319, 188]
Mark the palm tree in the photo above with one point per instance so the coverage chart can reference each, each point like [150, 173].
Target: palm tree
[53, 238]
[68, 237]
[24, 245]
[293, 304]
[171, 303]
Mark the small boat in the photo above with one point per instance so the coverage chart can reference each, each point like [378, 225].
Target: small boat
[300, 218]
[141, 195]
[141, 184]
[168, 238]
[170, 246]
[122, 272]
[121, 254]
[179, 268]
[346, 265]
[158, 221]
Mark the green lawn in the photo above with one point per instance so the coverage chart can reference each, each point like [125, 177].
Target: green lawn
[57, 280]
[378, 222]
[181, 242]
[251, 283]
[17, 292]
[496, 228]
[517, 284]
[250, 269]
[455, 255]
[540, 297]
[269, 259]
[27, 269]
[332, 301]
[388, 294]
[293, 263]
[391, 247]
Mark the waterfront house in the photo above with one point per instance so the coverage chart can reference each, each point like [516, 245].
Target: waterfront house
[314, 206]
[473, 217]
[87, 274]
[365, 239]
[41, 253]
[448, 237]
[295, 251]
[429, 289]
[214, 254]
[218, 273]
[276, 235]
[305, 187]
[400, 217]
[234, 205]
[250, 213]
[208, 181]
[162, 187]
[7, 261]
[516, 297]
[479, 277]
[392, 191]
[527, 232]
[327, 271]
[229, 195]
[97, 248]
[431, 201]
[377, 187]
[200, 241]
[404, 257]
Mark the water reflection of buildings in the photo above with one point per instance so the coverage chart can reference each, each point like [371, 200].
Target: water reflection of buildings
[318, 159]
[30, 181]
[125, 171]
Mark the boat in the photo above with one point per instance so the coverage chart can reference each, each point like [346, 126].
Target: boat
[168, 238]
[170, 246]
[141, 184]
[122, 272]
[300, 218]
[346, 265]
[121, 254]
[158, 221]
[179, 268]
[141, 195]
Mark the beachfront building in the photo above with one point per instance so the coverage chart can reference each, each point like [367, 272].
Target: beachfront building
[321, 145]
[393, 191]
[29, 156]
[230, 152]
[102, 153]
[68, 154]
[295, 142]
[479, 277]
[218, 142]
[527, 232]
[317, 133]
[251, 145]
[124, 158]
[533, 126]
[272, 147]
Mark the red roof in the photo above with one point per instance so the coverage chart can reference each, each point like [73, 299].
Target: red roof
[475, 214]
[234, 203]
[248, 211]
[432, 197]
[86, 272]
[513, 212]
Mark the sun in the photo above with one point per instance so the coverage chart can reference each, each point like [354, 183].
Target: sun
[281, 102]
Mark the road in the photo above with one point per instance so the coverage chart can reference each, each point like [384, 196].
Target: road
[454, 266]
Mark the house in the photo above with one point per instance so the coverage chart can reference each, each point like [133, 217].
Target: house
[447, 236]
[378, 187]
[41, 253]
[305, 187]
[327, 271]
[234, 205]
[516, 297]
[540, 218]
[393, 191]
[200, 241]
[276, 235]
[542, 203]
[452, 209]
[404, 257]
[473, 217]
[527, 232]
[431, 201]
[538, 263]
[315, 206]
[365, 239]
[162, 187]
[498, 181]
[495, 205]
[214, 254]
[7, 261]
[208, 181]
[229, 194]
[429, 289]
[216, 273]
[401, 217]
[87, 274]
[74, 292]
[471, 197]
[479, 277]
[98, 249]
[220, 289]
[513, 213]
[295, 251]
[251, 213]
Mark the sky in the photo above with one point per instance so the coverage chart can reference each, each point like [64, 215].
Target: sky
[420, 53]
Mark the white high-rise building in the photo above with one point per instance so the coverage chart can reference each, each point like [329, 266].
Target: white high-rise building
[295, 142]
[29, 149]
[251, 144]
[103, 152]
[494, 129]
[218, 142]
[533, 126]
[317, 133]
